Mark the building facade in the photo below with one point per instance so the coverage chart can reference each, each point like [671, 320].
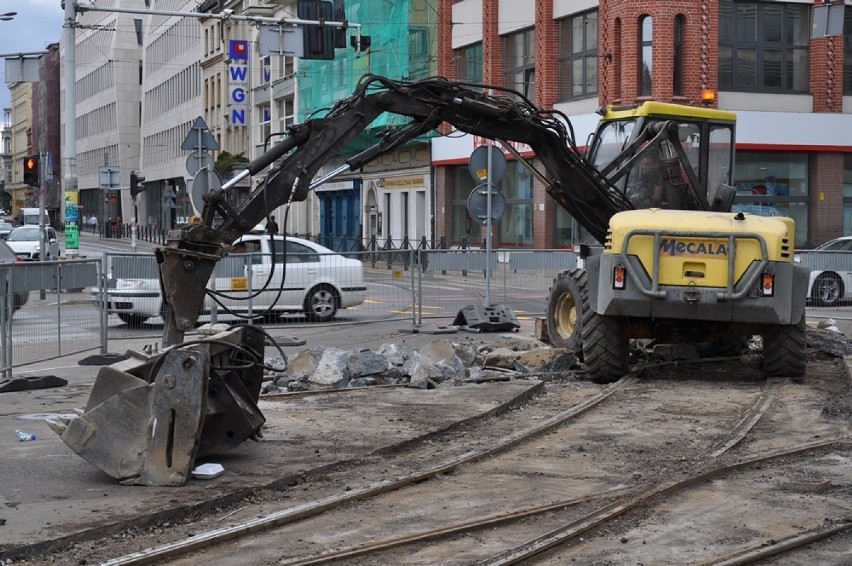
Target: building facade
[794, 156]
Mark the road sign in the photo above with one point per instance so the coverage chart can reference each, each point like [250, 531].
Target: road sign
[199, 137]
[477, 204]
[282, 40]
[198, 160]
[206, 180]
[479, 164]
[110, 177]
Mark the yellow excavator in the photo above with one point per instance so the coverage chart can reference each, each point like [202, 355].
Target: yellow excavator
[665, 257]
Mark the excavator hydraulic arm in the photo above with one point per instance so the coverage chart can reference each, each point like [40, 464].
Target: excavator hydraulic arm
[187, 261]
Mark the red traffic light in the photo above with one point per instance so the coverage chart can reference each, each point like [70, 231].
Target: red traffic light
[31, 176]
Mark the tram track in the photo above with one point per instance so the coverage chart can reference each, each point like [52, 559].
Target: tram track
[533, 462]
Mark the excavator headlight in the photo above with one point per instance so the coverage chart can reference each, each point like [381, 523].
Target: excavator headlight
[767, 284]
[619, 277]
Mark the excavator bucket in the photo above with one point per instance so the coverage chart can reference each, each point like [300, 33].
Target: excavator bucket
[149, 418]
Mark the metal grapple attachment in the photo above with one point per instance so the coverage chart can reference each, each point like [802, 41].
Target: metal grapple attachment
[150, 417]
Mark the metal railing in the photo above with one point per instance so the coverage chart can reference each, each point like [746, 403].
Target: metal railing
[47, 313]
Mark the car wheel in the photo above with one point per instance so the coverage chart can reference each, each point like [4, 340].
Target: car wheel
[132, 320]
[828, 290]
[321, 303]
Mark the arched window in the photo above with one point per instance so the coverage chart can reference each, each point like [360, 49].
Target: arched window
[646, 33]
[677, 62]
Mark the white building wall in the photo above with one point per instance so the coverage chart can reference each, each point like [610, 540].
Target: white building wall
[172, 92]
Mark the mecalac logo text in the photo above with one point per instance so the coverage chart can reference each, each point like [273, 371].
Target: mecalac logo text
[690, 247]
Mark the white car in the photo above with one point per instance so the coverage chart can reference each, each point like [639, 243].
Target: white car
[831, 271]
[316, 281]
[25, 241]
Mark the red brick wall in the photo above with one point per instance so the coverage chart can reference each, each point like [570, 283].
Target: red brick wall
[546, 55]
[492, 46]
[619, 37]
[826, 68]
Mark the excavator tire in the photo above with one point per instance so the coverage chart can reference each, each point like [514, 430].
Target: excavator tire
[606, 349]
[784, 350]
[568, 298]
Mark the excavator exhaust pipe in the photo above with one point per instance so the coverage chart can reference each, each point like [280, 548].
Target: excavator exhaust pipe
[149, 418]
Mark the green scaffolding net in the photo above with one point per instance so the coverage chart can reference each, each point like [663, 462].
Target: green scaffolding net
[403, 46]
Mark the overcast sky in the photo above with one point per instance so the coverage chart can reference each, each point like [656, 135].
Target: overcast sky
[38, 24]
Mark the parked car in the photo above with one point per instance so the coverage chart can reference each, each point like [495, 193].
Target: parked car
[5, 228]
[318, 282]
[831, 271]
[7, 256]
[25, 241]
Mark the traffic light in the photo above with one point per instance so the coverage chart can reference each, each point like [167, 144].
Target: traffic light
[319, 40]
[31, 176]
[136, 182]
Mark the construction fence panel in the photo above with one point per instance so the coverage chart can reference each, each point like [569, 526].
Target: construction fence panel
[451, 280]
[48, 311]
[244, 285]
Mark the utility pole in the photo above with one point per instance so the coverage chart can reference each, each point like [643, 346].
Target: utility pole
[70, 214]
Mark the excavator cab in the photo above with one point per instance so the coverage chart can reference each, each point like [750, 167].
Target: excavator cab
[627, 148]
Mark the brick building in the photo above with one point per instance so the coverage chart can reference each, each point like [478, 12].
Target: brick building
[792, 95]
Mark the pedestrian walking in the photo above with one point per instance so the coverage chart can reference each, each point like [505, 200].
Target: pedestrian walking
[93, 222]
[271, 226]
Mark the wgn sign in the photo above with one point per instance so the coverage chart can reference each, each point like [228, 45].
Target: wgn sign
[238, 75]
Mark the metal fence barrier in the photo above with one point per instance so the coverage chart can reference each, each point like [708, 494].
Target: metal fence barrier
[56, 308]
[47, 313]
[412, 287]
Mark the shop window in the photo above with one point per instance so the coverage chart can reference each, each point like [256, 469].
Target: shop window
[847, 194]
[516, 226]
[519, 62]
[578, 64]
[763, 46]
[774, 184]
[462, 225]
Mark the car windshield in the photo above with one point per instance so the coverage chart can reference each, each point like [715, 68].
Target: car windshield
[23, 234]
[836, 245]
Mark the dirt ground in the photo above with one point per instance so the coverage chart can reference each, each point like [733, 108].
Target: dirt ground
[656, 430]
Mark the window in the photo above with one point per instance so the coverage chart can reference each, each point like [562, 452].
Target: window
[847, 192]
[469, 63]
[286, 112]
[646, 55]
[847, 52]
[516, 226]
[763, 46]
[462, 225]
[419, 50]
[519, 62]
[773, 184]
[677, 63]
[578, 65]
